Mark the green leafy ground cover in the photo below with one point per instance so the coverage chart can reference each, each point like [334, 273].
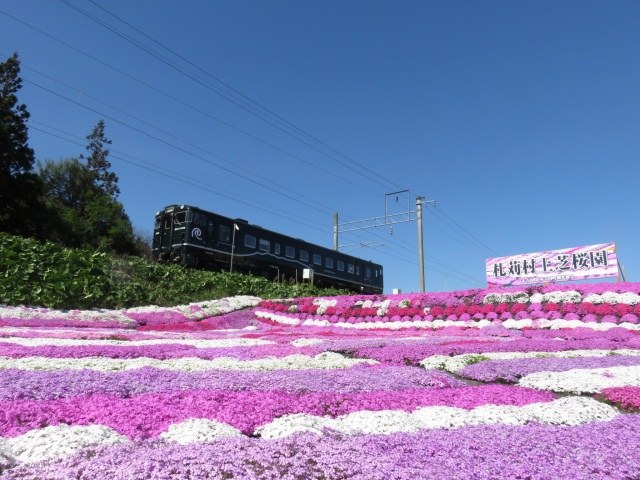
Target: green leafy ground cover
[49, 275]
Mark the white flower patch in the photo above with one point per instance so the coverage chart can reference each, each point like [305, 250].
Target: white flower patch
[382, 307]
[6, 454]
[382, 422]
[325, 360]
[456, 363]
[561, 323]
[441, 417]
[199, 430]
[202, 310]
[507, 297]
[570, 296]
[274, 317]
[536, 298]
[513, 324]
[564, 411]
[287, 425]
[306, 342]
[569, 411]
[628, 298]
[579, 381]
[309, 322]
[60, 441]
[194, 311]
[45, 315]
[202, 343]
[323, 304]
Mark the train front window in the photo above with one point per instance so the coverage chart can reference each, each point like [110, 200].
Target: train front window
[180, 218]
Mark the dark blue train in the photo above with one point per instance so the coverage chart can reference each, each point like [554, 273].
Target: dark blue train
[197, 238]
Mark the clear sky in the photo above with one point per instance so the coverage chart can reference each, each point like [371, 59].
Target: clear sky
[520, 119]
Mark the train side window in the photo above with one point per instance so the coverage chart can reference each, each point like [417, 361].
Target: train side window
[350, 268]
[304, 255]
[328, 262]
[224, 233]
[250, 241]
[196, 218]
[367, 272]
[290, 252]
[209, 230]
[265, 245]
[357, 269]
[340, 265]
[276, 249]
[317, 259]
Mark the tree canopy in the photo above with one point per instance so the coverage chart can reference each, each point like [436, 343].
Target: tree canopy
[22, 211]
[71, 202]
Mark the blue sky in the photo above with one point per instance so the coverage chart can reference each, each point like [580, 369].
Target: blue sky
[520, 119]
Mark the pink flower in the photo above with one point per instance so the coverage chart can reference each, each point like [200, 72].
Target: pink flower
[629, 318]
[518, 307]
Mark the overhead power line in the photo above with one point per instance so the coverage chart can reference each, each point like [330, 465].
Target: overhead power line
[251, 106]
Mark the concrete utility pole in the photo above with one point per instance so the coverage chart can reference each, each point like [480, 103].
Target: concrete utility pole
[420, 242]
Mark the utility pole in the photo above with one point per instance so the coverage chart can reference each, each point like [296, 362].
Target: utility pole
[420, 242]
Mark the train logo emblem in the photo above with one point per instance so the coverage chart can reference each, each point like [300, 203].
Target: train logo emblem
[196, 232]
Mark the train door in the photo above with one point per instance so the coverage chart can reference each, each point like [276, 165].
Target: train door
[166, 233]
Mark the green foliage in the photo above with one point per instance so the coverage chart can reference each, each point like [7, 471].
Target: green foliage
[50, 275]
[471, 359]
[86, 216]
[20, 188]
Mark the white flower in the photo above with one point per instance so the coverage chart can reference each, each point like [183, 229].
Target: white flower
[61, 441]
[379, 422]
[564, 411]
[579, 381]
[570, 296]
[199, 430]
[569, 411]
[295, 423]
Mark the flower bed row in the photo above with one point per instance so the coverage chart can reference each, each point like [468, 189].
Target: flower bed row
[596, 306]
[183, 398]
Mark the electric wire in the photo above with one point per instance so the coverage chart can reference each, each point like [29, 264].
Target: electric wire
[240, 104]
[192, 107]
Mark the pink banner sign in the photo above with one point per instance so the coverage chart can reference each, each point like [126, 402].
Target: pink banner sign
[569, 264]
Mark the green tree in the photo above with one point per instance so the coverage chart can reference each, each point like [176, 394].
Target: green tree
[103, 178]
[85, 197]
[22, 211]
[66, 190]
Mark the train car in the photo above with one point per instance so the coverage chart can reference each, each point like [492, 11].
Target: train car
[198, 238]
